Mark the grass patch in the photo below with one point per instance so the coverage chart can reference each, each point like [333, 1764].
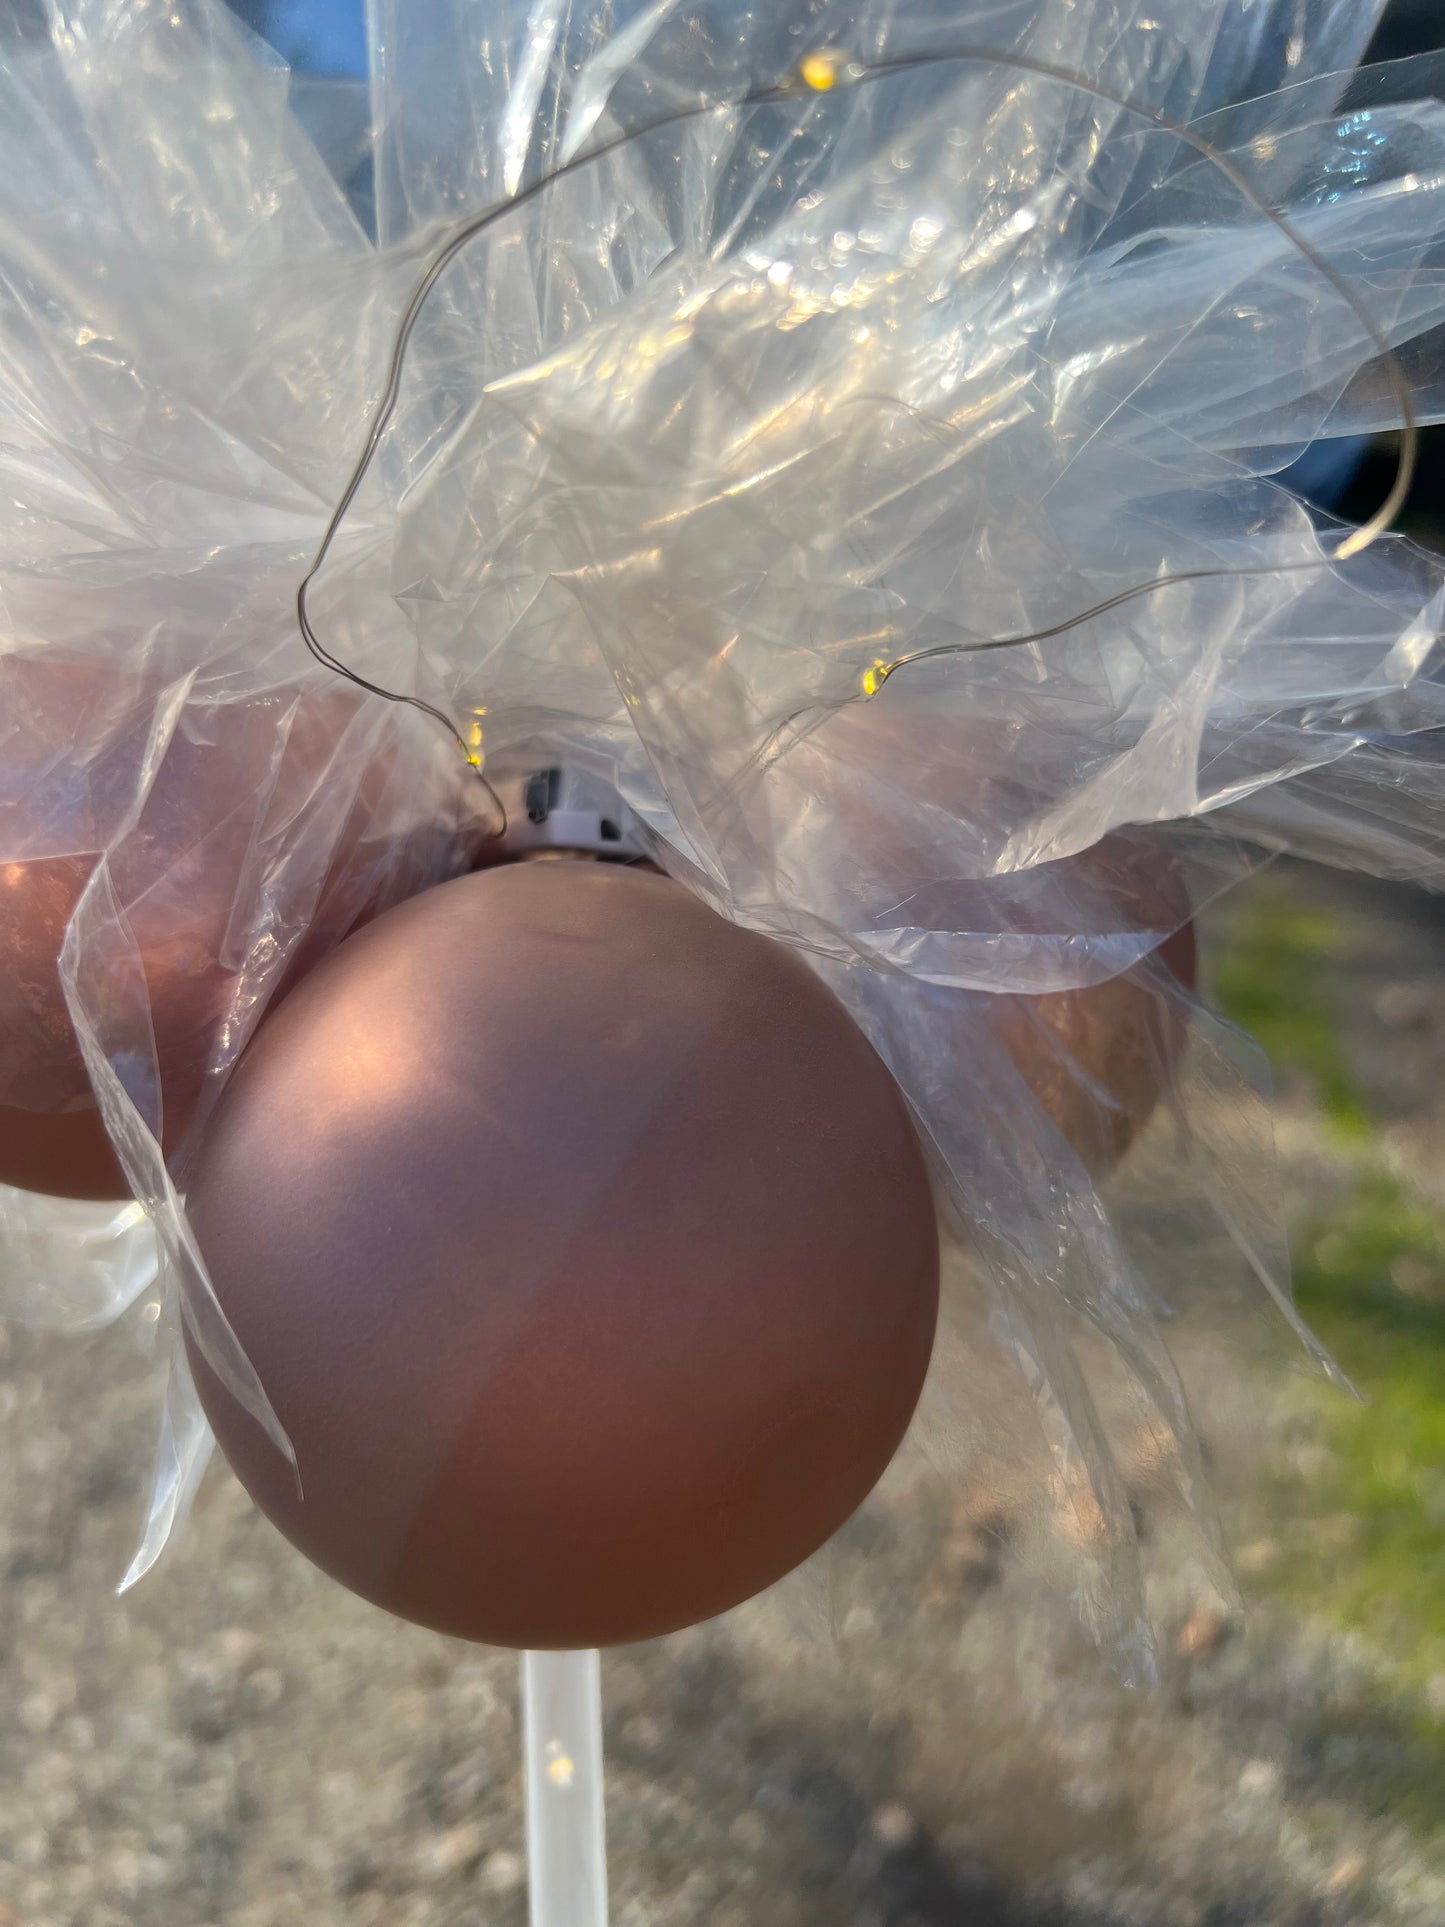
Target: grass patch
[1361, 1512]
[1358, 1508]
[1268, 979]
[1370, 1278]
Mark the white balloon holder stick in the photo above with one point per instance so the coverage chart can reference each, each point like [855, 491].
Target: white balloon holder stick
[566, 1824]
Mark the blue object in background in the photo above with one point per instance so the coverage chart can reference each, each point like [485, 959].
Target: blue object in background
[1324, 472]
[326, 38]
[324, 44]
[320, 36]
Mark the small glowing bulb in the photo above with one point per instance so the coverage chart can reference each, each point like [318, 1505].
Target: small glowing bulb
[560, 1768]
[874, 678]
[822, 69]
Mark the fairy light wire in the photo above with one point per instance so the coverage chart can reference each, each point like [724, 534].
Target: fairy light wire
[824, 71]
[470, 230]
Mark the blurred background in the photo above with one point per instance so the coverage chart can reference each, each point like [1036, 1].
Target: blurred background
[924, 1739]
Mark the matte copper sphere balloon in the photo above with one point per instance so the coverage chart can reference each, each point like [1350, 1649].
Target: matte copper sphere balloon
[65, 1153]
[1098, 1059]
[584, 1249]
[188, 844]
[905, 810]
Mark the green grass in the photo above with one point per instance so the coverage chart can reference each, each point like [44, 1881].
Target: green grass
[1268, 980]
[1360, 1514]
[1363, 1527]
[1370, 1278]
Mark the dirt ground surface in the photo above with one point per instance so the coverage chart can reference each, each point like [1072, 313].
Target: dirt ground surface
[916, 1733]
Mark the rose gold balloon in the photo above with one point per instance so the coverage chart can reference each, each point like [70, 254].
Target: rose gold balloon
[66, 1153]
[1099, 1059]
[905, 811]
[584, 1249]
[205, 865]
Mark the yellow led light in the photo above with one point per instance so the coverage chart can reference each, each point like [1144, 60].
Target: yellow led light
[874, 678]
[821, 70]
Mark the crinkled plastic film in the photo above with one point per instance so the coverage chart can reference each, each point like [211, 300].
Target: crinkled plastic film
[684, 446]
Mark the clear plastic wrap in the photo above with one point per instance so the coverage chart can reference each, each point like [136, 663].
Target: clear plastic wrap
[684, 444]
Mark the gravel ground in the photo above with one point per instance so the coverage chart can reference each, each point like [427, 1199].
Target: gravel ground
[914, 1733]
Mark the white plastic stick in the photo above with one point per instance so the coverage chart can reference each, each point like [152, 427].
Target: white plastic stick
[566, 1825]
